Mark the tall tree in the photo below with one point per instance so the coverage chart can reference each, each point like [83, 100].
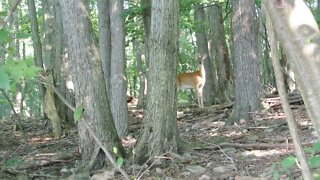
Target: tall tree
[118, 81]
[146, 15]
[105, 40]
[160, 133]
[49, 58]
[209, 90]
[37, 46]
[89, 84]
[300, 41]
[219, 51]
[245, 60]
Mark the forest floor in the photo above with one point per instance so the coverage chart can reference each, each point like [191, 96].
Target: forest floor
[250, 150]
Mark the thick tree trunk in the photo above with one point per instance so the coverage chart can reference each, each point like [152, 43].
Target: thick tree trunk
[118, 88]
[219, 51]
[300, 40]
[160, 133]
[105, 40]
[245, 59]
[89, 84]
[209, 90]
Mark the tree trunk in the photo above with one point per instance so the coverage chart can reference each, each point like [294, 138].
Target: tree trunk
[89, 84]
[61, 69]
[141, 73]
[146, 5]
[118, 88]
[219, 51]
[209, 90]
[160, 133]
[105, 40]
[245, 59]
[300, 40]
[37, 47]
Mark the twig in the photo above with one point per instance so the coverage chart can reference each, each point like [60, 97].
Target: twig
[13, 8]
[16, 116]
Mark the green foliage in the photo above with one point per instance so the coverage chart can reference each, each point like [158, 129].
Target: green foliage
[13, 161]
[13, 72]
[77, 114]
[119, 160]
[289, 162]
[4, 80]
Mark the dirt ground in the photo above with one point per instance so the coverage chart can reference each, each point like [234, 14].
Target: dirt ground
[249, 150]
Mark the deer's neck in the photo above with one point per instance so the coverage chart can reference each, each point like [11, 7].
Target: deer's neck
[202, 70]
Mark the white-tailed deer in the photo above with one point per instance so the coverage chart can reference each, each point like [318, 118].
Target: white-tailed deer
[195, 80]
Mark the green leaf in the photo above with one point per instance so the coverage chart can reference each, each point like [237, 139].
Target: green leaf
[120, 161]
[4, 79]
[288, 162]
[4, 35]
[314, 161]
[78, 113]
[115, 150]
[23, 35]
[316, 146]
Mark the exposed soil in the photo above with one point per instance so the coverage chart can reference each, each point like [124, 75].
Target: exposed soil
[213, 151]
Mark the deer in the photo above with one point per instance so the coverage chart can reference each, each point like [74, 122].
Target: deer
[195, 80]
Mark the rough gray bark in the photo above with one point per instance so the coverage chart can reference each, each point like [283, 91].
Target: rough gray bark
[300, 40]
[89, 84]
[285, 103]
[160, 133]
[105, 40]
[141, 73]
[61, 68]
[245, 60]
[146, 4]
[118, 88]
[37, 47]
[209, 90]
[50, 107]
[219, 51]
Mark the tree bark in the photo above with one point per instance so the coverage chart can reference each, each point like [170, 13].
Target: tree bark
[105, 40]
[219, 51]
[37, 47]
[285, 103]
[160, 133]
[118, 88]
[245, 60]
[209, 90]
[300, 40]
[89, 84]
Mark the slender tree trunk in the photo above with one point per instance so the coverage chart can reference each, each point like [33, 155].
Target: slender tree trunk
[105, 40]
[245, 60]
[37, 47]
[285, 103]
[141, 74]
[146, 4]
[89, 84]
[118, 88]
[49, 57]
[300, 40]
[209, 90]
[219, 51]
[160, 133]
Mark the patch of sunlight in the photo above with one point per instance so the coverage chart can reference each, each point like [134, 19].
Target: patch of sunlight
[261, 153]
[39, 140]
[234, 133]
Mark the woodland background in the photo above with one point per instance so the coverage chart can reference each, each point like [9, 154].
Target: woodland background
[88, 89]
